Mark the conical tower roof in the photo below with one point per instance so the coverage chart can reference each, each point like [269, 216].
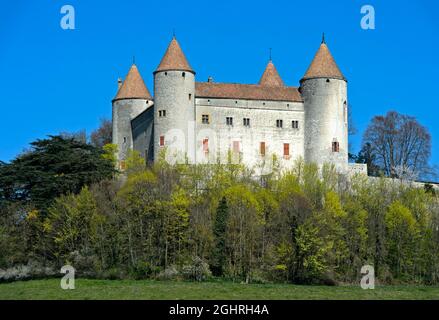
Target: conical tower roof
[174, 59]
[133, 87]
[270, 77]
[323, 65]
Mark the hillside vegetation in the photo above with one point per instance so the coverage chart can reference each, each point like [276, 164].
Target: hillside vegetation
[195, 222]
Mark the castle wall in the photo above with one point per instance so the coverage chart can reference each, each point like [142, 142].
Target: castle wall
[143, 134]
[263, 116]
[123, 112]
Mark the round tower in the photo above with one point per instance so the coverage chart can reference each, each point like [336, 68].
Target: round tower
[324, 91]
[174, 102]
[132, 99]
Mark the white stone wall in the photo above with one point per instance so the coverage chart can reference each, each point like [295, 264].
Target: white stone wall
[123, 112]
[263, 116]
[326, 121]
[357, 168]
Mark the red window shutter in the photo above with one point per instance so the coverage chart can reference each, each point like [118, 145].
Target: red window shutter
[262, 148]
[236, 146]
[206, 145]
[286, 149]
[162, 140]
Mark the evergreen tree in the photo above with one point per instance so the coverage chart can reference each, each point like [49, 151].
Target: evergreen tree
[219, 230]
[53, 167]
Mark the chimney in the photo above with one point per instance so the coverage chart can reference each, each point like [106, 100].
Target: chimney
[210, 79]
[119, 83]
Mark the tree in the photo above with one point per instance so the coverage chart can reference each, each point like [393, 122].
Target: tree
[79, 136]
[367, 156]
[53, 167]
[219, 231]
[398, 140]
[402, 232]
[71, 223]
[244, 229]
[102, 135]
[352, 131]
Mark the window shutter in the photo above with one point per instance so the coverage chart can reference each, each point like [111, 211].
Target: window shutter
[262, 148]
[286, 149]
[236, 146]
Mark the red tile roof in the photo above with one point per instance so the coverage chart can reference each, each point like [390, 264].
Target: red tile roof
[270, 77]
[323, 65]
[246, 91]
[133, 87]
[174, 59]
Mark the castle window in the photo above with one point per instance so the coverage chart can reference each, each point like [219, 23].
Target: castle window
[190, 96]
[162, 113]
[327, 80]
[124, 139]
[263, 103]
[229, 121]
[205, 119]
[162, 141]
[206, 145]
[262, 148]
[236, 102]
[166, 73]
[345, 112]
[286, 149]
[295, 124]
[288, 105]
[246, 122]
[279, 123]
[335, 146]
[183, 74]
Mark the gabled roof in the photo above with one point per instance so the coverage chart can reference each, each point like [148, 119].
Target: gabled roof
[270, 77]
[133, 87]
[323, 65]
[246, 91]
[174, 59]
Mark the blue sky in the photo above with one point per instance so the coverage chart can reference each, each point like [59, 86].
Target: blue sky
[54, 80]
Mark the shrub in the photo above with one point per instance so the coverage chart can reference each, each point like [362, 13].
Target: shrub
[198, 270]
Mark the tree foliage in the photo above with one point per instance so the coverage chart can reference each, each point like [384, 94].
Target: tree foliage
[53, 167]
[183, 221]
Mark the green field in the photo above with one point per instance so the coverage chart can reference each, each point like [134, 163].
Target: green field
[132, 289]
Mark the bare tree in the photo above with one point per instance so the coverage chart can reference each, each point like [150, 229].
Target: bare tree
[80, 136]
[398, 141]
[352, 131]
[102, 135]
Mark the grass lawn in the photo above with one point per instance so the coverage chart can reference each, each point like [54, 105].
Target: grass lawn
[146, 289]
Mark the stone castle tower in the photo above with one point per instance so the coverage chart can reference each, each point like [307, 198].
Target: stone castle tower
[174, 100]
[203, 122]
[324, 92]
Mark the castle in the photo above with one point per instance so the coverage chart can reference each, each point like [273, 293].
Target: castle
[210, 122]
